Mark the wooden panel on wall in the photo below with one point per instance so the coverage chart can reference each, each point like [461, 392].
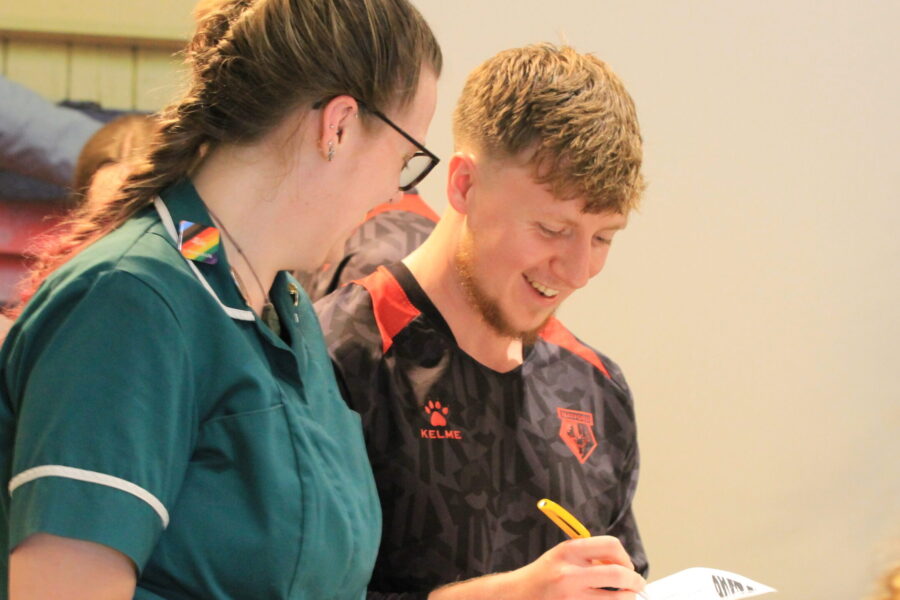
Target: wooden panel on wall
[42, 66]
[117, 76]
[103, 74]
[116, 66]
[159, 19]
[84, 74]
[159, 78]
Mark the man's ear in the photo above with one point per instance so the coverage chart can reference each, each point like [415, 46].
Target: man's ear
[460, 180]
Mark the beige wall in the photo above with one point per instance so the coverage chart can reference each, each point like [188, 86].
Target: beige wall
[754, 304]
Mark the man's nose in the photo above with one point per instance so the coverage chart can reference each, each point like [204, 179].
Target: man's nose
[575, 265]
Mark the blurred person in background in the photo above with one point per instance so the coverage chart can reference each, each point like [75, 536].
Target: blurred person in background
[105, 161]
[38, 138]
[109, 156]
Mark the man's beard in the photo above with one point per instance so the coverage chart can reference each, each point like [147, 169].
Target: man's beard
[487, 307]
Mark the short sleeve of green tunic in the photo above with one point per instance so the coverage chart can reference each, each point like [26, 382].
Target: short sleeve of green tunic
[142, 407]
[105, 420]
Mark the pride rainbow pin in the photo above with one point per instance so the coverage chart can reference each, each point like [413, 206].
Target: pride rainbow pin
[198, 242]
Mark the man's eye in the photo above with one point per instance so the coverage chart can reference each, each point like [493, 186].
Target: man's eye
[549, 231]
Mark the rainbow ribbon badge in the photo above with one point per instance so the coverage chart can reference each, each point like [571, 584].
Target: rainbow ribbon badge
[199, 243]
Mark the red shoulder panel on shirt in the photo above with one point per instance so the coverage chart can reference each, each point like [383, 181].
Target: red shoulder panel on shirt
[556, 333]
[393, 310]
[410, 203]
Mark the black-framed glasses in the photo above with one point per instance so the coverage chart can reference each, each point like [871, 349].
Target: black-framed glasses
[419, 164]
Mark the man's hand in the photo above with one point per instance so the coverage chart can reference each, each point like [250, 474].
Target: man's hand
[572, 570]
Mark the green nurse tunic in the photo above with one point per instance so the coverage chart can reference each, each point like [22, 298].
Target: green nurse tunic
[142, 406]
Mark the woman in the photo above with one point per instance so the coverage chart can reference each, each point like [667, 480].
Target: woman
[170, 420]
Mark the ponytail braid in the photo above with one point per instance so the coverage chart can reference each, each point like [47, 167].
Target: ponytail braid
[174, 151]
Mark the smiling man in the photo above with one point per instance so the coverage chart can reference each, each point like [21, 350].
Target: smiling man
[476, 402]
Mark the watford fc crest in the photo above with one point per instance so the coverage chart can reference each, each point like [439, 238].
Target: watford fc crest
[577, 431]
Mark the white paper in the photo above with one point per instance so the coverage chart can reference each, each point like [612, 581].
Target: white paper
[700, 583]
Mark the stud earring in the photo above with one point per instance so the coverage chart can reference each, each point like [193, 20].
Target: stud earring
[330, 151]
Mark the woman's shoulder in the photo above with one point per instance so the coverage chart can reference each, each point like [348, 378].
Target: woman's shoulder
[137, 250]
[132, 268]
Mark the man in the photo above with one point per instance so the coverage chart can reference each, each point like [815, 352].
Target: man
[476, 402]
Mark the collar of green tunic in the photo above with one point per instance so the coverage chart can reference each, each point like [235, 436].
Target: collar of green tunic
[181, 202]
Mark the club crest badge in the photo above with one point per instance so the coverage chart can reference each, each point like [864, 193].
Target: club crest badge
[198, 242]
[577, 431]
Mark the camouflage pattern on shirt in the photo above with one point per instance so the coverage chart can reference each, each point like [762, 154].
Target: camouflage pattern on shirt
[388, 234]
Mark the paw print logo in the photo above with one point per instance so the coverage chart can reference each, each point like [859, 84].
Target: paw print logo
[437, 412]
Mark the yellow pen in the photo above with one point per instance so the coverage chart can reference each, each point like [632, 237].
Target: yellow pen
[563, 519]
[570, 526]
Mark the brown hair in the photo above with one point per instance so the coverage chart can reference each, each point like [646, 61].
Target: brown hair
[121, 140]
[566, 113]
[251, 62]
[205, 8]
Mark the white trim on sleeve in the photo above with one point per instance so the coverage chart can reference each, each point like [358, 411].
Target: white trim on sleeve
[91, 477]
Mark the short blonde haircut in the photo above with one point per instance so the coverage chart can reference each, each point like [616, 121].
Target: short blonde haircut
[563, 112]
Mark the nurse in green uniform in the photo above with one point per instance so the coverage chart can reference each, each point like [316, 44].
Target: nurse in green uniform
[170, 425]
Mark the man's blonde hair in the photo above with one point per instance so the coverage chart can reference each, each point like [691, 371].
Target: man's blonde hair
[566, 114]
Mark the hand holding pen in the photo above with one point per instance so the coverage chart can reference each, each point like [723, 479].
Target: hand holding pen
[585, 568]
[598, 564]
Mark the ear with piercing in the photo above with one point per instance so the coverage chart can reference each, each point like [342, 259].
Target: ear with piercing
[330, 153]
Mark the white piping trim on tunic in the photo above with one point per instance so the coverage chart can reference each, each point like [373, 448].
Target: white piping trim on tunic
[166, 217]
[91, 477]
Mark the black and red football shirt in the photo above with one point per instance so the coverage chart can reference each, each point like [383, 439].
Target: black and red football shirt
[462, 453]
[389, 232]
